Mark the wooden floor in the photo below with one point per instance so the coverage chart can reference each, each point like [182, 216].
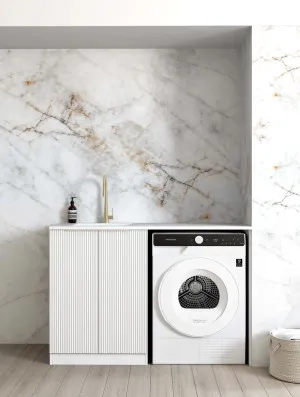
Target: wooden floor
[24, 372]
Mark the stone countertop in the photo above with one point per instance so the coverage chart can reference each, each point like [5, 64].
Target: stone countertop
[146, 226]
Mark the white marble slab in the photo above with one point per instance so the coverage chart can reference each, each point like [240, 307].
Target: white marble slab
[276, 183]
[147, 226]
[164, 125]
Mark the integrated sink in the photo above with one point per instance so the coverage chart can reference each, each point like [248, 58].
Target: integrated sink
[97, 225]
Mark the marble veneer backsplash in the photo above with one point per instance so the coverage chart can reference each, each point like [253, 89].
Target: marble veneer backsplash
[164, 125]
[276, 184]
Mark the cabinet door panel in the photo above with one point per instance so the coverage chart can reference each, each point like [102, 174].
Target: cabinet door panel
[73, 291]
[122, 291]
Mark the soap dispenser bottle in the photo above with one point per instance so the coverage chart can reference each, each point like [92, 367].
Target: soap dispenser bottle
[72, 212]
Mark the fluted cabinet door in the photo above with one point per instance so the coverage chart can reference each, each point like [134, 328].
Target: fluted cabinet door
[73, 291]
[122, 291]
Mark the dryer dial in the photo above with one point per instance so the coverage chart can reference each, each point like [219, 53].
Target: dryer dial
[199, 239]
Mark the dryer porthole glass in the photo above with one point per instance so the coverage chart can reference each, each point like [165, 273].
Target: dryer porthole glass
[198, 292]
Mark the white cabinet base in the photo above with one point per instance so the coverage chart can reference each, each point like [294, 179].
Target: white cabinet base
[98, 359]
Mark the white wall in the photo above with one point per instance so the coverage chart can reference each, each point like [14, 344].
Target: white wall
[103, 13]
[145, 13]
[276, 183]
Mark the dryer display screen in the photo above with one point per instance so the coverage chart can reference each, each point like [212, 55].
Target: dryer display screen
[199, 239]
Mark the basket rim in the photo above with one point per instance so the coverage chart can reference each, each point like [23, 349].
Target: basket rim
[275, 331]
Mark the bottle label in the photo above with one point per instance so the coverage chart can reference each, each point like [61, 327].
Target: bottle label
[72, 214]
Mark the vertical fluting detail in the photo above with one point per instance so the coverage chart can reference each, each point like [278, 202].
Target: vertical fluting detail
[73, 291]
[122, 291]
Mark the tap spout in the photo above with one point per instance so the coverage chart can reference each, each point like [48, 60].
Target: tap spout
[107, 217]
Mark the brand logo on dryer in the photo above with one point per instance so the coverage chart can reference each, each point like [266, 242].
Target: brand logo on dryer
[198, 321]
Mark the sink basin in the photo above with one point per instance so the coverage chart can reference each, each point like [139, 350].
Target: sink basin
[95, 225]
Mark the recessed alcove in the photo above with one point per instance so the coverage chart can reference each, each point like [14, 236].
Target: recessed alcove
[165, 112]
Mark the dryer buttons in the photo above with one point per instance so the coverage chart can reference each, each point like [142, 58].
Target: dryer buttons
[198, 239]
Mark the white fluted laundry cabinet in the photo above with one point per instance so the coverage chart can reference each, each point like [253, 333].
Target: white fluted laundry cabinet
[98, 295]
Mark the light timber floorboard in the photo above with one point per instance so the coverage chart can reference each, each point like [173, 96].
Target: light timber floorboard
[161, 381]
[293, 389]
[95, 381]
[33, 376]
[25, 372]
[183, 381]
[8, 354]
[272, 386]
[249, 381]
[10, 378]
[73, 382]
[227, 381]
[205, 381]
[117, 382]
[52, 381]
[139, 381]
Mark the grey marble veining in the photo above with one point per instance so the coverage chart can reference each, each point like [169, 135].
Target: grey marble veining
[164, 125]
[276, 183]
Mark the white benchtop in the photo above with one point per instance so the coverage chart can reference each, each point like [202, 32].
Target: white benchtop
[146, 226]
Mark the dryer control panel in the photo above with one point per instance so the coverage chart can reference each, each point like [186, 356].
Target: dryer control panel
[196, 239]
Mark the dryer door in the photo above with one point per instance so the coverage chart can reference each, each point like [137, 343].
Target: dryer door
[198, 297]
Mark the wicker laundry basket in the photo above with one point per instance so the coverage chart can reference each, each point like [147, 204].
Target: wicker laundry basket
[285, 355]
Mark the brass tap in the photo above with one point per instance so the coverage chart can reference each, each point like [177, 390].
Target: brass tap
[107, 217]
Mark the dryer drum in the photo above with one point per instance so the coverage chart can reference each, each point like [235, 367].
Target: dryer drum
[198, 292]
